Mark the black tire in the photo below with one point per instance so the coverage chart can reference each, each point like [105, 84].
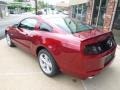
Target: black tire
[10, 43]
[54, 68]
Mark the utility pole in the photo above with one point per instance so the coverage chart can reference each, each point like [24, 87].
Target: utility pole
[36, 8]
[46, 10]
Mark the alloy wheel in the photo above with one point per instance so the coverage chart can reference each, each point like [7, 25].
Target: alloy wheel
[45, 63]
[8, 39]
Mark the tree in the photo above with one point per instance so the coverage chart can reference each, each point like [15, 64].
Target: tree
[19, 5]
[18, 0]
[36, 6]
[41, 4]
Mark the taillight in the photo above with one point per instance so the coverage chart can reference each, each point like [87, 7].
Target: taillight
[110, 41]
[91, 50]
[100, 46]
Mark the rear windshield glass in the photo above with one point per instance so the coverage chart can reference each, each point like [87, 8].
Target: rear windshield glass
[69, 25]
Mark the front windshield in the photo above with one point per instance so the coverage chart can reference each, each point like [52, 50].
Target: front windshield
[69, 25]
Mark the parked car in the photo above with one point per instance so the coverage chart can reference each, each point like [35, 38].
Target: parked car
[62, 44]
[11, 12]
[39, 13]
[66, 12]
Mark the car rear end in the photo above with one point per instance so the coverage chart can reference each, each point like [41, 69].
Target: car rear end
[97, 53]
[91, 49]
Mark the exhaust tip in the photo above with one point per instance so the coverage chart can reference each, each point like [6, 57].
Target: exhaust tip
[90, 77]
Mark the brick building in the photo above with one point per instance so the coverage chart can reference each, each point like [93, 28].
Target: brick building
[104, 14]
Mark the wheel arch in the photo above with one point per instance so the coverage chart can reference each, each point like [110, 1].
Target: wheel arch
[38, 49]
[42, 47]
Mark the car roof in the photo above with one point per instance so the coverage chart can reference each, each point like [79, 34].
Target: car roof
[47, 17]
[53, 20]
[53, 15]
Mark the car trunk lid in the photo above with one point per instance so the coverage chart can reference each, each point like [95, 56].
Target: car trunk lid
[95, 38]
[89, 34]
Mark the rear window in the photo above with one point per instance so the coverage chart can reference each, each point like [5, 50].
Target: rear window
[69, 25]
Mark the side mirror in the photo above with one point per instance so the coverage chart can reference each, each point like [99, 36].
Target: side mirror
[17, 26]
[20, 25]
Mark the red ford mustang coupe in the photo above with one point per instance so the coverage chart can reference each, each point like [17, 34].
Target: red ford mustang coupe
[63, 44]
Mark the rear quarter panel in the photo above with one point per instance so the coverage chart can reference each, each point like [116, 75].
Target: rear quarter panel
[63, 47]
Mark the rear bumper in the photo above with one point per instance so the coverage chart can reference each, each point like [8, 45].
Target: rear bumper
[93, 73]
[89, 66]
[93, 65]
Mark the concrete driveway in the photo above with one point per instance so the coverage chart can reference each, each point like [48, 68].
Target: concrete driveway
[20, 71]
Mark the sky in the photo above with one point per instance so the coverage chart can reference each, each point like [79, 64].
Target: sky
[53, 2]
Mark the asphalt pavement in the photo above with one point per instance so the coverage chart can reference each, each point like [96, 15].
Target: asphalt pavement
[5, 22]
[12, 19]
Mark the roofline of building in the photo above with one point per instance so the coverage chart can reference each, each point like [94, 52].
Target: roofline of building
[76, 2]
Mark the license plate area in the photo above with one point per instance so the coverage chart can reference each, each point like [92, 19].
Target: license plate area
[109, 59]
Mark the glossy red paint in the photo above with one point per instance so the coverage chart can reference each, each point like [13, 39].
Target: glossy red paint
[67, 49]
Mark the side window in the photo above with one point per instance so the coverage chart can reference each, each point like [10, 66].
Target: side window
[45, 27]
[28, 24]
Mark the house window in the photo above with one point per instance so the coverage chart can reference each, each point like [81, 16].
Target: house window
[99, 12]
[79, 11]
[116, 24]
[74, 11]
